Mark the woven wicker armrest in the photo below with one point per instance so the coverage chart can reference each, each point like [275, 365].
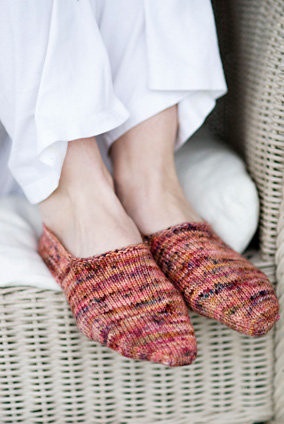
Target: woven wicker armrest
[251, 117]
[279, 339]
[262, 105]
[259, 97]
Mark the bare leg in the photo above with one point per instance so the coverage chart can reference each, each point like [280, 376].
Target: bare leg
[83, 211]
[145, 176]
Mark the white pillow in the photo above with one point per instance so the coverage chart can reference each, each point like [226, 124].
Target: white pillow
[20, 227]
[216, 183]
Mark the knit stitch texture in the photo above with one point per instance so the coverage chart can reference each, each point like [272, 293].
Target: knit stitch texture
[122, 299]
[215, 281]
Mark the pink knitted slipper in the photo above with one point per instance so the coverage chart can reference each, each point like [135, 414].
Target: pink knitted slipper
[215, 281]
[123, 300]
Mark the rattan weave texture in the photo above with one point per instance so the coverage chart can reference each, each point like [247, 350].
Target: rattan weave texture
[50, 373]
[279, 339]
[262, 69]
[251, 116]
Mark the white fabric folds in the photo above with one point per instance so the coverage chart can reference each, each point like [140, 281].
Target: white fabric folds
[79, 68]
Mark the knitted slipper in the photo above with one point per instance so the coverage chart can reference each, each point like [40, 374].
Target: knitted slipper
[215, 281]
[123, 300]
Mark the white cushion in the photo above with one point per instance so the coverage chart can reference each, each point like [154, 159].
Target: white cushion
[215, 181]
[20, 227]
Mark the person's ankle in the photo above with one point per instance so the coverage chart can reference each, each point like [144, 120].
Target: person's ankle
[55, 209]
[154, 203]
[89, 221]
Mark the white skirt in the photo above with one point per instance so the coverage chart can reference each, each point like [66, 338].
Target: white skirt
[80, 68]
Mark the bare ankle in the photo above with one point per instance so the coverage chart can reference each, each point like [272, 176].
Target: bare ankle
[84, 212]
[155, 203]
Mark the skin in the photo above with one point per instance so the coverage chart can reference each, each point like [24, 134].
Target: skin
[92, 212]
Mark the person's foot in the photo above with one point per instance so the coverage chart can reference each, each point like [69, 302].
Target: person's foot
[123, 300]
[215, 281]
[116, 291]
[154, 204]
[92, 224]
[145, 176]
[84, 211]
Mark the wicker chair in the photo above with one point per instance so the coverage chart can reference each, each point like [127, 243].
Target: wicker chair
[50, 373]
